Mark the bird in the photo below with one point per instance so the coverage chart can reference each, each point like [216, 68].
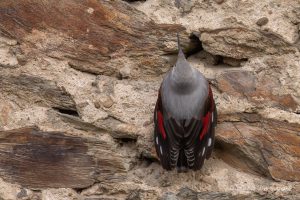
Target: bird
[185, 117]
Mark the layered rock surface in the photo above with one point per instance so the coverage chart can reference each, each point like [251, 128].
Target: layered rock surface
[79, 81]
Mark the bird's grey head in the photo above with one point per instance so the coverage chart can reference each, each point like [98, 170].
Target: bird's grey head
[184, 90]
[182, 74]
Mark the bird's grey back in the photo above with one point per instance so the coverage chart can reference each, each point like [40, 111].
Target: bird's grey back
[184, 104]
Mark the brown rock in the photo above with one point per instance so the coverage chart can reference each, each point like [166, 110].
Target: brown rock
[37, 151]
[262, 21]
[107, 34]
[241, 43]
[270, 147]
[107, 102]
[53, 159]
[256, 88]
[34, 89]
[237, 83]
[227, 30]
[5, 111]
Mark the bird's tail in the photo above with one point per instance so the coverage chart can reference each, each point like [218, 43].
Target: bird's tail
[182, 165]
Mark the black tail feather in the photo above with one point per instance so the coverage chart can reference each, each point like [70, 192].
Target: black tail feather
[182, 164]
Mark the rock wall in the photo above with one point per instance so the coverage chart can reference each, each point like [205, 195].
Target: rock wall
[79, 81]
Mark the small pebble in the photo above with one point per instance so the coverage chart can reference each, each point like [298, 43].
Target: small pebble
[125, 72]
[262, 21]
[97, 104]
[107, 102]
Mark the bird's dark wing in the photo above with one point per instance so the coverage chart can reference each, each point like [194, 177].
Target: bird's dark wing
[185, 143]
[161, 140]
[203, 145]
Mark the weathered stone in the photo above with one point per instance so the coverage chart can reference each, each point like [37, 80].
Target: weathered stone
[107, 102]
[44, 159]
[81, 39]
[243, 81]
[229, 29]
[262, 21]
[56, 153]
[242, 43]
[267, 147]
[33, 89]
[272, 83]
[7, 59]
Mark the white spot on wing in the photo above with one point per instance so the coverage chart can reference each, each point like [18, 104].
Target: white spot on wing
[203, 151]
[209, 142]
[156, 140]
[161, 152]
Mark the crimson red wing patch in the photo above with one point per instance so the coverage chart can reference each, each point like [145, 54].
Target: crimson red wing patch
[161, 124]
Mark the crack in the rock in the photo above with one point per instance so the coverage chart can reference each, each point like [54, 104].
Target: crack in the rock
[126, 140]
[196, 45]
[219, 59]
[116, 118]
[148, 160]
[80, 190]
[243, 117]
[78, 68]
[66, 111]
